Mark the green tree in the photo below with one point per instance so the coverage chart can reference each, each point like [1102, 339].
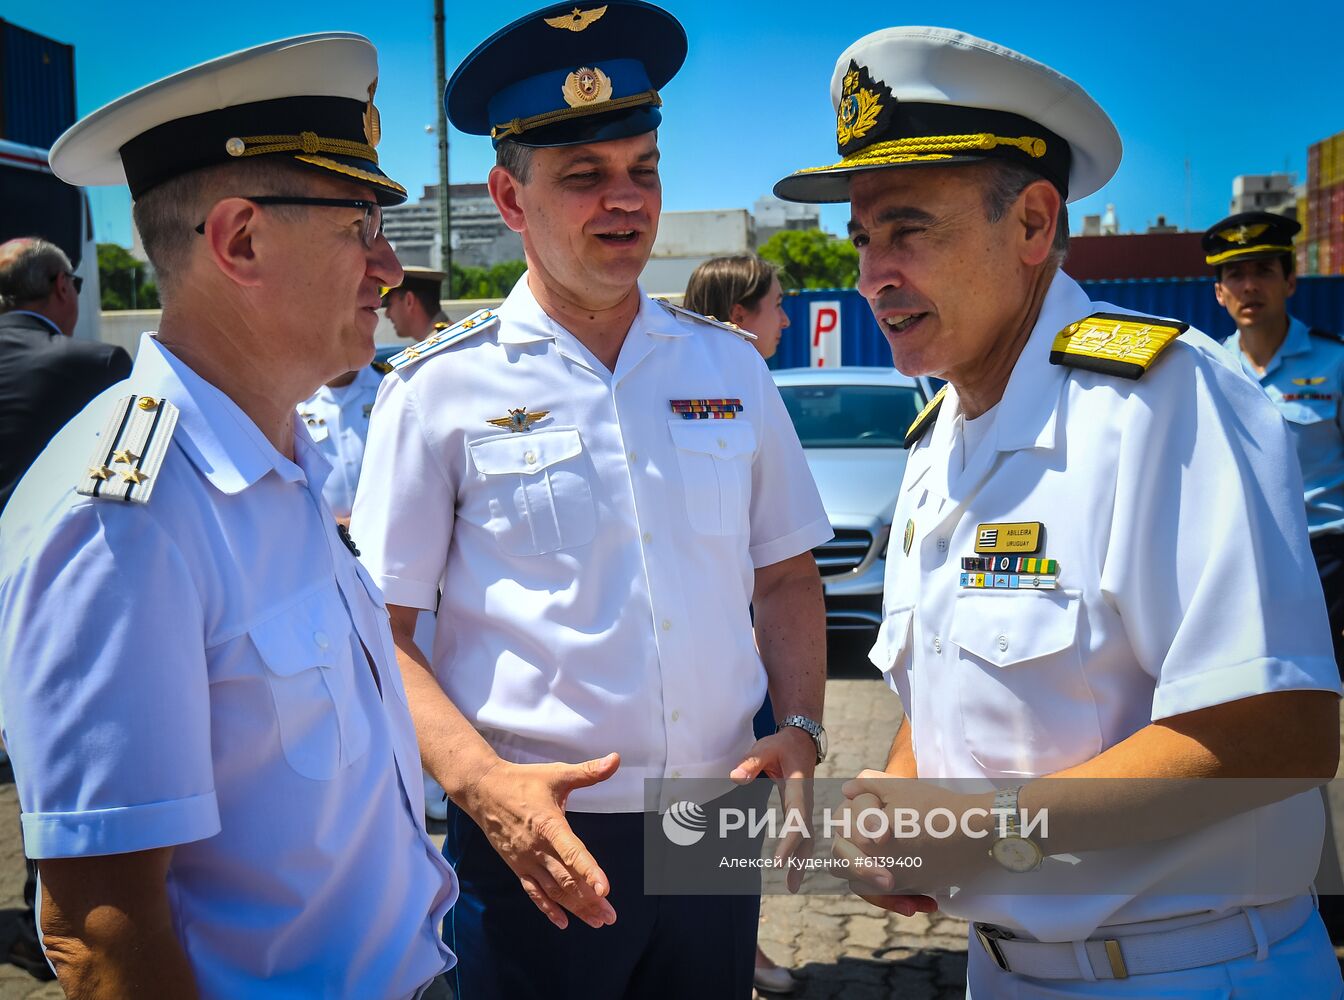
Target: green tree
[493, 282]
[123, 280]
[810, 258]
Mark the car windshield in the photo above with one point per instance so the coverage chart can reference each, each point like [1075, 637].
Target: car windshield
[852, 416]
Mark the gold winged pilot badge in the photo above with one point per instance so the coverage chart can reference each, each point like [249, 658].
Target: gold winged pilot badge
[577, 20]
[518, 420]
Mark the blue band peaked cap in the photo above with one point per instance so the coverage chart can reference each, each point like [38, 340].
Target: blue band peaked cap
[567, 74]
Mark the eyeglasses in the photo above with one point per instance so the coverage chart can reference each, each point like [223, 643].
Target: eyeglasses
[75, 280]
[373, 212]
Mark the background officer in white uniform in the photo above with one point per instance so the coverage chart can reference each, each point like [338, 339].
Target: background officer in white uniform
[337, 418]
[602, 487]
[215, 760]
[413, 307]
[1105, 571]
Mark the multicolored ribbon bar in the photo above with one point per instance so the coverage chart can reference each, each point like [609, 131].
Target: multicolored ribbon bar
[1007, 581]
[1289, 397]
[1010, 564]
[706, 409]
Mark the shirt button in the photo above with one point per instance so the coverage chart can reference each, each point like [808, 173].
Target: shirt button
[1003, 643]
[676, 714]
[942, 545]
[647, 536]
[530, 458]
[321, 639]
[667, 624]
[676, 774]
[937, 644]
[723, 443]
[634, 457]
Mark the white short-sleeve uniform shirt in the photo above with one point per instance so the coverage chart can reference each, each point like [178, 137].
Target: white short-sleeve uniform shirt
[191, 673]
[596, 569]
[1172, 505]
[338, 422]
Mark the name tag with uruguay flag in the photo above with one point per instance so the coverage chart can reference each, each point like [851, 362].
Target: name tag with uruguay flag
[1010, 537]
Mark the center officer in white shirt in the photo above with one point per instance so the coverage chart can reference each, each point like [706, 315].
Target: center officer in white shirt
[217, 770]
[1104, 570]
[601, 487]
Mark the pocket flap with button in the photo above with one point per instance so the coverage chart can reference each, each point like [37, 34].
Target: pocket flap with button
[1014, 626]
[310, 633]
[521, 454]
[720, 438]
[893, 639]
[1302, 412]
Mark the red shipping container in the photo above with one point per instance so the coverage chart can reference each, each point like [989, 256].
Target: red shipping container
[1336, 209]
[1313, 166]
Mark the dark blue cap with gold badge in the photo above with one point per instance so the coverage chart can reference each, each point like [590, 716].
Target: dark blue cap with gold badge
[308, 99]
[566, 75]
[1249, 236]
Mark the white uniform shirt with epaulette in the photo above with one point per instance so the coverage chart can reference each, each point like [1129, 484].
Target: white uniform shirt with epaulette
[338, 422]
[1092, 555]
[183, 664]
[594, 534]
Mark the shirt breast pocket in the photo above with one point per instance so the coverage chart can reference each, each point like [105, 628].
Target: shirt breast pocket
[715, 461]
[1026, 705]
[539, 497]
[309, 667]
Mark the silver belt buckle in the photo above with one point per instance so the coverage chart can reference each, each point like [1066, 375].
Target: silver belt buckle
[989, 939]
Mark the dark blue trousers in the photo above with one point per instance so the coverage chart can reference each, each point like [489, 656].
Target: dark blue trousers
[660, 946]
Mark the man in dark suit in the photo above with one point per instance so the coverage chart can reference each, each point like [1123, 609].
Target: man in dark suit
[46, 377]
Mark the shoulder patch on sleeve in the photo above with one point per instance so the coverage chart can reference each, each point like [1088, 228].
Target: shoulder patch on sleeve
[126, 461]
[707, 320]
[1114, 343]
[925, 419]
[441, 339]
[1326, 335]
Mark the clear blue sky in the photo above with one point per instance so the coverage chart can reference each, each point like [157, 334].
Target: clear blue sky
[1233, 88]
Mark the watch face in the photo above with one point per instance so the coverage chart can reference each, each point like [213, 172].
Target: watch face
[821, 744]
[1017, 854]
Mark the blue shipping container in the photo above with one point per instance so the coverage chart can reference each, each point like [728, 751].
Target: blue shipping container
[37, 87]
[1319, 302]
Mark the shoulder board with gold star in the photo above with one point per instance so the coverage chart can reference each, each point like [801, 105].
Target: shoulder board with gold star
[707, 320]
[925, 419]
[381, 367]
[126, 461]
[442, 339]
[1118, 344]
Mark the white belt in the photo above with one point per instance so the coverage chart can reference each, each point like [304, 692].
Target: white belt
[1247, 931]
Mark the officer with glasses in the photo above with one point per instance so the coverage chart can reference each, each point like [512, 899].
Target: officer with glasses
[217, 770]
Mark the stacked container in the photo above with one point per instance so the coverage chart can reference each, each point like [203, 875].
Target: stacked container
[1320, 248]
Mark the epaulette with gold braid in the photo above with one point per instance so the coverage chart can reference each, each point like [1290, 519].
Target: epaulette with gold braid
[1114, 343]
[445, 337]
[707, 320]
[925, 419]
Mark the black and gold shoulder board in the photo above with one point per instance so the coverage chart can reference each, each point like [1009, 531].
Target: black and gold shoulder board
[381, 367]
[1327, 335]
[1114, 343]
[925, 419]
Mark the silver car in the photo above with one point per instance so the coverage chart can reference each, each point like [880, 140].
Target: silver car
[852, 424]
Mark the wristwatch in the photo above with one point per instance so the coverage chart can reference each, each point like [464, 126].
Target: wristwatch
[1012, 851]
[810, 726]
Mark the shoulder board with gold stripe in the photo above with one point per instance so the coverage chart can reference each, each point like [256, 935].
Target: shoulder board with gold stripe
[925, 419]
[442, 339]
[707, 320]
[126, 461]
[1114, 343]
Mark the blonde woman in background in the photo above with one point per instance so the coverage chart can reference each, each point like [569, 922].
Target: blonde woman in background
[745, 290]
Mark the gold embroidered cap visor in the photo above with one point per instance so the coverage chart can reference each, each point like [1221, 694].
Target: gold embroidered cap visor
[309, 99]
[566, 75]
[1249, 236]
[921, 97]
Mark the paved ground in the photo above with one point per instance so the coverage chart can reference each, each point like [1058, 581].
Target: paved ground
[839, 946]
